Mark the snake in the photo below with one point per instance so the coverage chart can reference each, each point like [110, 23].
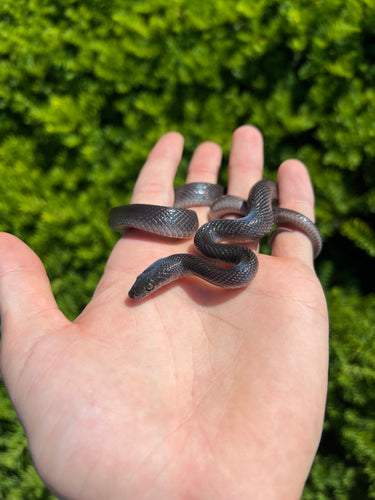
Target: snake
[224, 261]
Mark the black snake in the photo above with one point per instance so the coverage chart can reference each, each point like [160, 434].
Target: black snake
[259, 216]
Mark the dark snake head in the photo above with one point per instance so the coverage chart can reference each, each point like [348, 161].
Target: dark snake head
[160, 273]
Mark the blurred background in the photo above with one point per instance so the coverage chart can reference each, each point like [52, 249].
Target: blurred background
[86, 89]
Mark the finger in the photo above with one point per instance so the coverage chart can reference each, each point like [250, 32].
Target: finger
[245, 161]
[154, 185]
[155, 181]
[27, 306]
[205, 163]
[204, 167]
[295, 193]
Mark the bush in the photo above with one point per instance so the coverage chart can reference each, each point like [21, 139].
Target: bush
[86, 88]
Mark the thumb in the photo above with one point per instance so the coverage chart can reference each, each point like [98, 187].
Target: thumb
[28, 309]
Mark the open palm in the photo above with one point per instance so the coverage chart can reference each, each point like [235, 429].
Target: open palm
[194, 393]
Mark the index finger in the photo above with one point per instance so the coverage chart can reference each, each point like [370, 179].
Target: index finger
[154, 184]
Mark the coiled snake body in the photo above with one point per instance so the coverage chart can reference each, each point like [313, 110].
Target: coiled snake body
[258, 219]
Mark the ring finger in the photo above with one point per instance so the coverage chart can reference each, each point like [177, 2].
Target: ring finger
[245, 163]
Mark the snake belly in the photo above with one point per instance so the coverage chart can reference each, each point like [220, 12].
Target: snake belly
[227, 264]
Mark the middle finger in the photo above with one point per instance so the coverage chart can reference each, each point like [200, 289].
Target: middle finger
[205, 163]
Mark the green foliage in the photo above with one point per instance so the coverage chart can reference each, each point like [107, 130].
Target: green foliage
[87, 87]
[345, 466]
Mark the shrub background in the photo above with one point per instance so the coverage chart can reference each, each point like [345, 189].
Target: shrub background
[86, 89]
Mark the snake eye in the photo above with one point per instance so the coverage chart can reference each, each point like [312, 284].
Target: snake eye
[149, 287]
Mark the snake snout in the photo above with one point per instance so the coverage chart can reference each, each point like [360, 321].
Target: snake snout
[156, 275]
[143, 285]
[140, 290]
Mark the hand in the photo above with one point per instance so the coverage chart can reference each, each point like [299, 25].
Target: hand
[197, 392]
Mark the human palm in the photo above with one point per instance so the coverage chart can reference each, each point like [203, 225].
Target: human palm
[194, 393]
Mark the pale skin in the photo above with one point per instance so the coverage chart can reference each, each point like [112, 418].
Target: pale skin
[194, 393]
